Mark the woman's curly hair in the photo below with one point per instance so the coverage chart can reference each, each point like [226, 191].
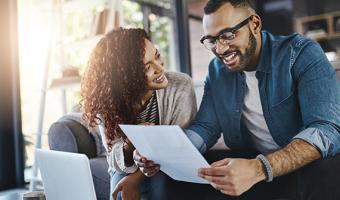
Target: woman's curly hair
[114, 82]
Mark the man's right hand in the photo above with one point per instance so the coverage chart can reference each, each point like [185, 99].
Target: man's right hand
[147, 167]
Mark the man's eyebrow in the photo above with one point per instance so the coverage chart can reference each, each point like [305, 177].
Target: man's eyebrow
[228, 29]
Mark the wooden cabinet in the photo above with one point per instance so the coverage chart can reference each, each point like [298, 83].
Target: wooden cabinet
[320, 27]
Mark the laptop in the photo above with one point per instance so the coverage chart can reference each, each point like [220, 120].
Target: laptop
[66, 176]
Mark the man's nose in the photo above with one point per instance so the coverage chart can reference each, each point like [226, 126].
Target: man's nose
[221, 48]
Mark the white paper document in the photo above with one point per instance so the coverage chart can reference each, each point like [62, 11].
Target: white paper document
[169, 147]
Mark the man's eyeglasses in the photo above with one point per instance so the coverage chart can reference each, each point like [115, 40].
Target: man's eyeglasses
[224, 37]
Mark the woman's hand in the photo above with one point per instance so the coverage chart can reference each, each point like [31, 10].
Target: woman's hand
[129, 187]
[147, 167]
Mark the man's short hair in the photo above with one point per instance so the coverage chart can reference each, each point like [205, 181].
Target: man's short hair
[213, 5]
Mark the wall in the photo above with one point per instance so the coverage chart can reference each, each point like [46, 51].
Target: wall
[314, 7]
[11, 153]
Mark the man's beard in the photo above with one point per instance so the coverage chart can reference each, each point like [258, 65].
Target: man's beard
[248, 56]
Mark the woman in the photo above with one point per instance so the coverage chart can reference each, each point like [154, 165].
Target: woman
[126, 83]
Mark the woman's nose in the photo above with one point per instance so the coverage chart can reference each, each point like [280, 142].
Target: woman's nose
[159, 65]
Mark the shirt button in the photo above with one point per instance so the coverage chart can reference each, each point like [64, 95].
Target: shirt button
[237, 110]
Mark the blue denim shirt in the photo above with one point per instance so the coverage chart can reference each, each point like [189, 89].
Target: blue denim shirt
[299, 92]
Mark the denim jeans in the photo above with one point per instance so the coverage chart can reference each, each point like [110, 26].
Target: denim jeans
[153, 188]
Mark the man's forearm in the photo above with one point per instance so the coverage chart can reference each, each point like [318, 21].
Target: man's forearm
[295, 155]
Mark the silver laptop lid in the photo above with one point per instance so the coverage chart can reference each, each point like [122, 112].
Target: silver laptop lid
[66, 176]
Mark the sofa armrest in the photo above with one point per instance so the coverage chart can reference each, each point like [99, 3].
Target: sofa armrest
[71, 136]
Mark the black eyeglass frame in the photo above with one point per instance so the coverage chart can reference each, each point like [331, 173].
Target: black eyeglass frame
[230, 30]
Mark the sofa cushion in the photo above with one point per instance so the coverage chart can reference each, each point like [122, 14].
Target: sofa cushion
[101, 177]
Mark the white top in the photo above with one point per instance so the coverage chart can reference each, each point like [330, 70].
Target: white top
[252, 115]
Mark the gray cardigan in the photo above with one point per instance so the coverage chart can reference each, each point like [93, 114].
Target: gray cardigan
[176, 106]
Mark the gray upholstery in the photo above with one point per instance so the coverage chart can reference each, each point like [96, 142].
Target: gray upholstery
[101, 178]
[69, 135]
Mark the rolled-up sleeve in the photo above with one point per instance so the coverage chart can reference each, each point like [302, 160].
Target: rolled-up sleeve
[116, 158]
[319, 140]
[196, 140]
[319, 99]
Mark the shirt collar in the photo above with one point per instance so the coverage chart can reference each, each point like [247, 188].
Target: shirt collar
[264, 63]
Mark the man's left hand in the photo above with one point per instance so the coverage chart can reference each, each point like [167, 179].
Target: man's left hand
[233, 176]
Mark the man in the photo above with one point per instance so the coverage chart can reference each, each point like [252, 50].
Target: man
[275, 95]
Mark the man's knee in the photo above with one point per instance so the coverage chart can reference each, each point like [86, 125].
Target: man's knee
[327, 167]
[322, 172]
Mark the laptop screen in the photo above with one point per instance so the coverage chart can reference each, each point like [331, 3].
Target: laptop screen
[65, 175]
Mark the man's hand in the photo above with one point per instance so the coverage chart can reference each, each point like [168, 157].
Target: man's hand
[147, 167]
[233, 176]
[129, 187]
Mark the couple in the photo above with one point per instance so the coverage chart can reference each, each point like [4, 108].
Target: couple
[275, 99]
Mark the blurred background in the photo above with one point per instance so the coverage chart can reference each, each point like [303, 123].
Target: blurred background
[46, 44]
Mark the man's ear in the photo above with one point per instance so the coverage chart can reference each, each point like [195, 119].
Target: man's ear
[257, 23]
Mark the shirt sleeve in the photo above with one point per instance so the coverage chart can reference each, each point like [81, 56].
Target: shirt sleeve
[206, 124]
[117, 158]
[319, 99]
[316, 138]
[196, 140]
